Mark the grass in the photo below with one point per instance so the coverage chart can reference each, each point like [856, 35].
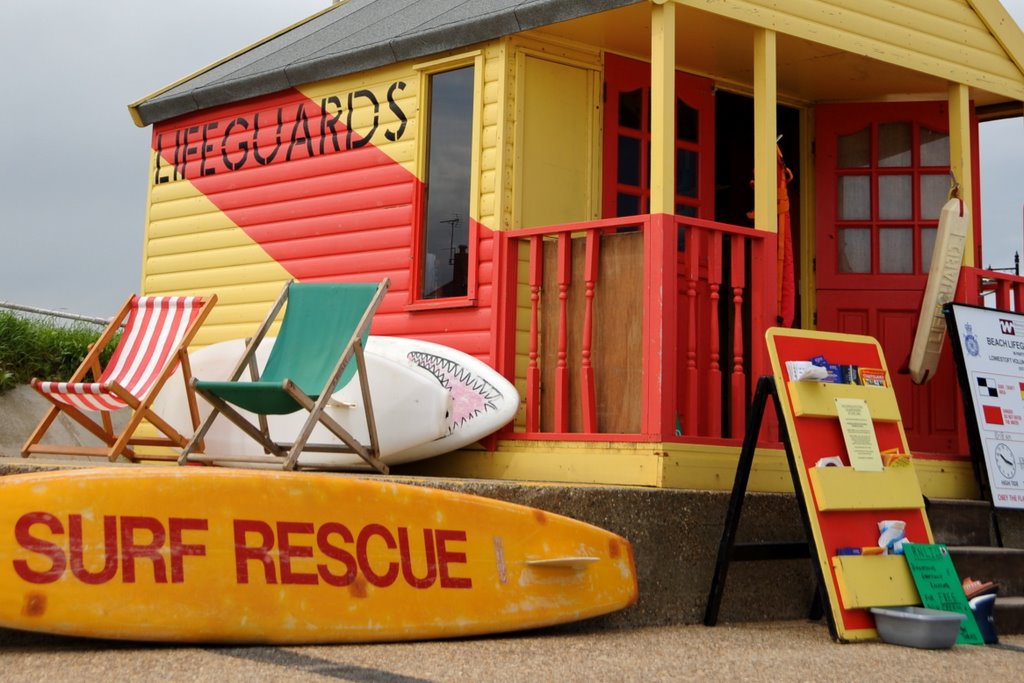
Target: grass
[33, 348]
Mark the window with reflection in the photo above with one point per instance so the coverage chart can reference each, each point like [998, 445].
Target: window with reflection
[445, 231]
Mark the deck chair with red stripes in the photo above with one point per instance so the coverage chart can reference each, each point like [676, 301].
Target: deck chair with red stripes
[157, 332]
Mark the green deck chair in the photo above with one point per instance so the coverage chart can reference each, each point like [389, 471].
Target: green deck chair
[324, 326]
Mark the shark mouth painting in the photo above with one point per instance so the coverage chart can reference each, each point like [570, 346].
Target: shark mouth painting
[471, 395]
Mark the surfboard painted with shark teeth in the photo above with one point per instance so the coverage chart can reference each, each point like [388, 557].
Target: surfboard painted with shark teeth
[217, 555]
[409, 406]
[413, 384]
[483, 401]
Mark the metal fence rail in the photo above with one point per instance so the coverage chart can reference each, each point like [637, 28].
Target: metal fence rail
[55, 314]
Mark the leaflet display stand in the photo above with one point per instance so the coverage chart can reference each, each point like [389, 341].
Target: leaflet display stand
[841, 505]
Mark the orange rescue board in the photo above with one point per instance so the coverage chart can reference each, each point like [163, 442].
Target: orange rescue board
[238, 556]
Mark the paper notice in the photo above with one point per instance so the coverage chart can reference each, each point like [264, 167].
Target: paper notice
[859, 434]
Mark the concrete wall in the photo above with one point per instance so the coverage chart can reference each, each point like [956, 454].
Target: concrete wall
[22, 408]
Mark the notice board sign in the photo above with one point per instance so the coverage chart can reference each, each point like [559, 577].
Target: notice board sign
[847, 505]
[988, 346]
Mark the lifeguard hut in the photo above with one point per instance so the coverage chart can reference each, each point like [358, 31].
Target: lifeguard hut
[598, 199]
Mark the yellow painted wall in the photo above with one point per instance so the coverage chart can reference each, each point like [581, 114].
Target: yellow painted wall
[554, 161]
[191, 246]
[556, 134]
[494, 194]
[944, 38]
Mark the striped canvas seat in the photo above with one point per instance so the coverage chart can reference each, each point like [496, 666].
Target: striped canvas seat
[157, 332]
[155, 328]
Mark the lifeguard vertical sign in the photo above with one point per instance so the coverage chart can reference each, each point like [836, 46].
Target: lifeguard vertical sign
[988, 346]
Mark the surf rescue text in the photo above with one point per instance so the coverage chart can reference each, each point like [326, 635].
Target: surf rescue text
[280, 552]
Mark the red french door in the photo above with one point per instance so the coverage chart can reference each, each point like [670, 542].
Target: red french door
[627, 141]
[882, 178]
[627, 192]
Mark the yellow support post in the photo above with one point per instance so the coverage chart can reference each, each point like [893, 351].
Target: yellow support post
[808, 232]
[765, 99]
[960, 156]
[663, 70]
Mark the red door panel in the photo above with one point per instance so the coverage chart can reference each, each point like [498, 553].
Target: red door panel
[929, 412]
[882, 178]
[627, 141]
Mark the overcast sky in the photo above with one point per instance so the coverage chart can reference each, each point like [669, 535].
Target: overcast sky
[74, 167]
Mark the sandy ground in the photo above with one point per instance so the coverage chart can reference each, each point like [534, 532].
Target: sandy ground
[776, 651]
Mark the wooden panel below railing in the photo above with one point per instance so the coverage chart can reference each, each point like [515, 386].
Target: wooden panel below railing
[615, 357]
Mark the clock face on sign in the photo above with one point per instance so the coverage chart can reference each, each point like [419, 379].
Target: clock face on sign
[1004, 461]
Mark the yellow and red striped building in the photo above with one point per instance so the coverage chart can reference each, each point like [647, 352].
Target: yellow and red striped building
[562, 190]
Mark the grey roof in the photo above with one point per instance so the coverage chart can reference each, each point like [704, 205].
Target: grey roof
[356, 36]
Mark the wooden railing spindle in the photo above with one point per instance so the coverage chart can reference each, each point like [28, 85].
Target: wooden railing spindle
[562, 366]
[588, 390]
[533, 371]
[692, 376]
[738, 384]
[714, 379]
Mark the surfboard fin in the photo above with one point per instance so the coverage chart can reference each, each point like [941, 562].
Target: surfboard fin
[572, 562]
[334, 403]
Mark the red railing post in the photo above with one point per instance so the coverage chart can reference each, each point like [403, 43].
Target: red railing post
[692, 374]
[713, 384]
[659, 368]
[738, 386]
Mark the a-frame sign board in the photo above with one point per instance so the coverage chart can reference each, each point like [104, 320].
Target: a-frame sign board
[843, 505]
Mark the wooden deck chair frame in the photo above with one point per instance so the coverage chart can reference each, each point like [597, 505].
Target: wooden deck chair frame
[121, 443]
[286, 454]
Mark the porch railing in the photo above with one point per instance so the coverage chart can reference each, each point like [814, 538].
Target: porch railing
[991, 288]
[639, 328]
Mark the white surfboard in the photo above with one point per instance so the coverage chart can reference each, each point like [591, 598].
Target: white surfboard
[483, 401]
[943, 275]
[409, 405]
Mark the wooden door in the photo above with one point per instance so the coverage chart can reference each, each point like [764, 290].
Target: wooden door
[627, 188]
[627, 141]
[882, 178]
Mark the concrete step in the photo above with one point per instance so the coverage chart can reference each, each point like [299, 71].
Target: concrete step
[966, 527]
[1004, 566]
[960, 522]
[1009, 615]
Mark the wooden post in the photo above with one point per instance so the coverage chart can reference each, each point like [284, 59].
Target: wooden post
[663, 95]
[659, 373]
[765, 100]
[960, 157]
[587, 389]
[713, 392]
[536, 267]
[738, 378]
[564, 272]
